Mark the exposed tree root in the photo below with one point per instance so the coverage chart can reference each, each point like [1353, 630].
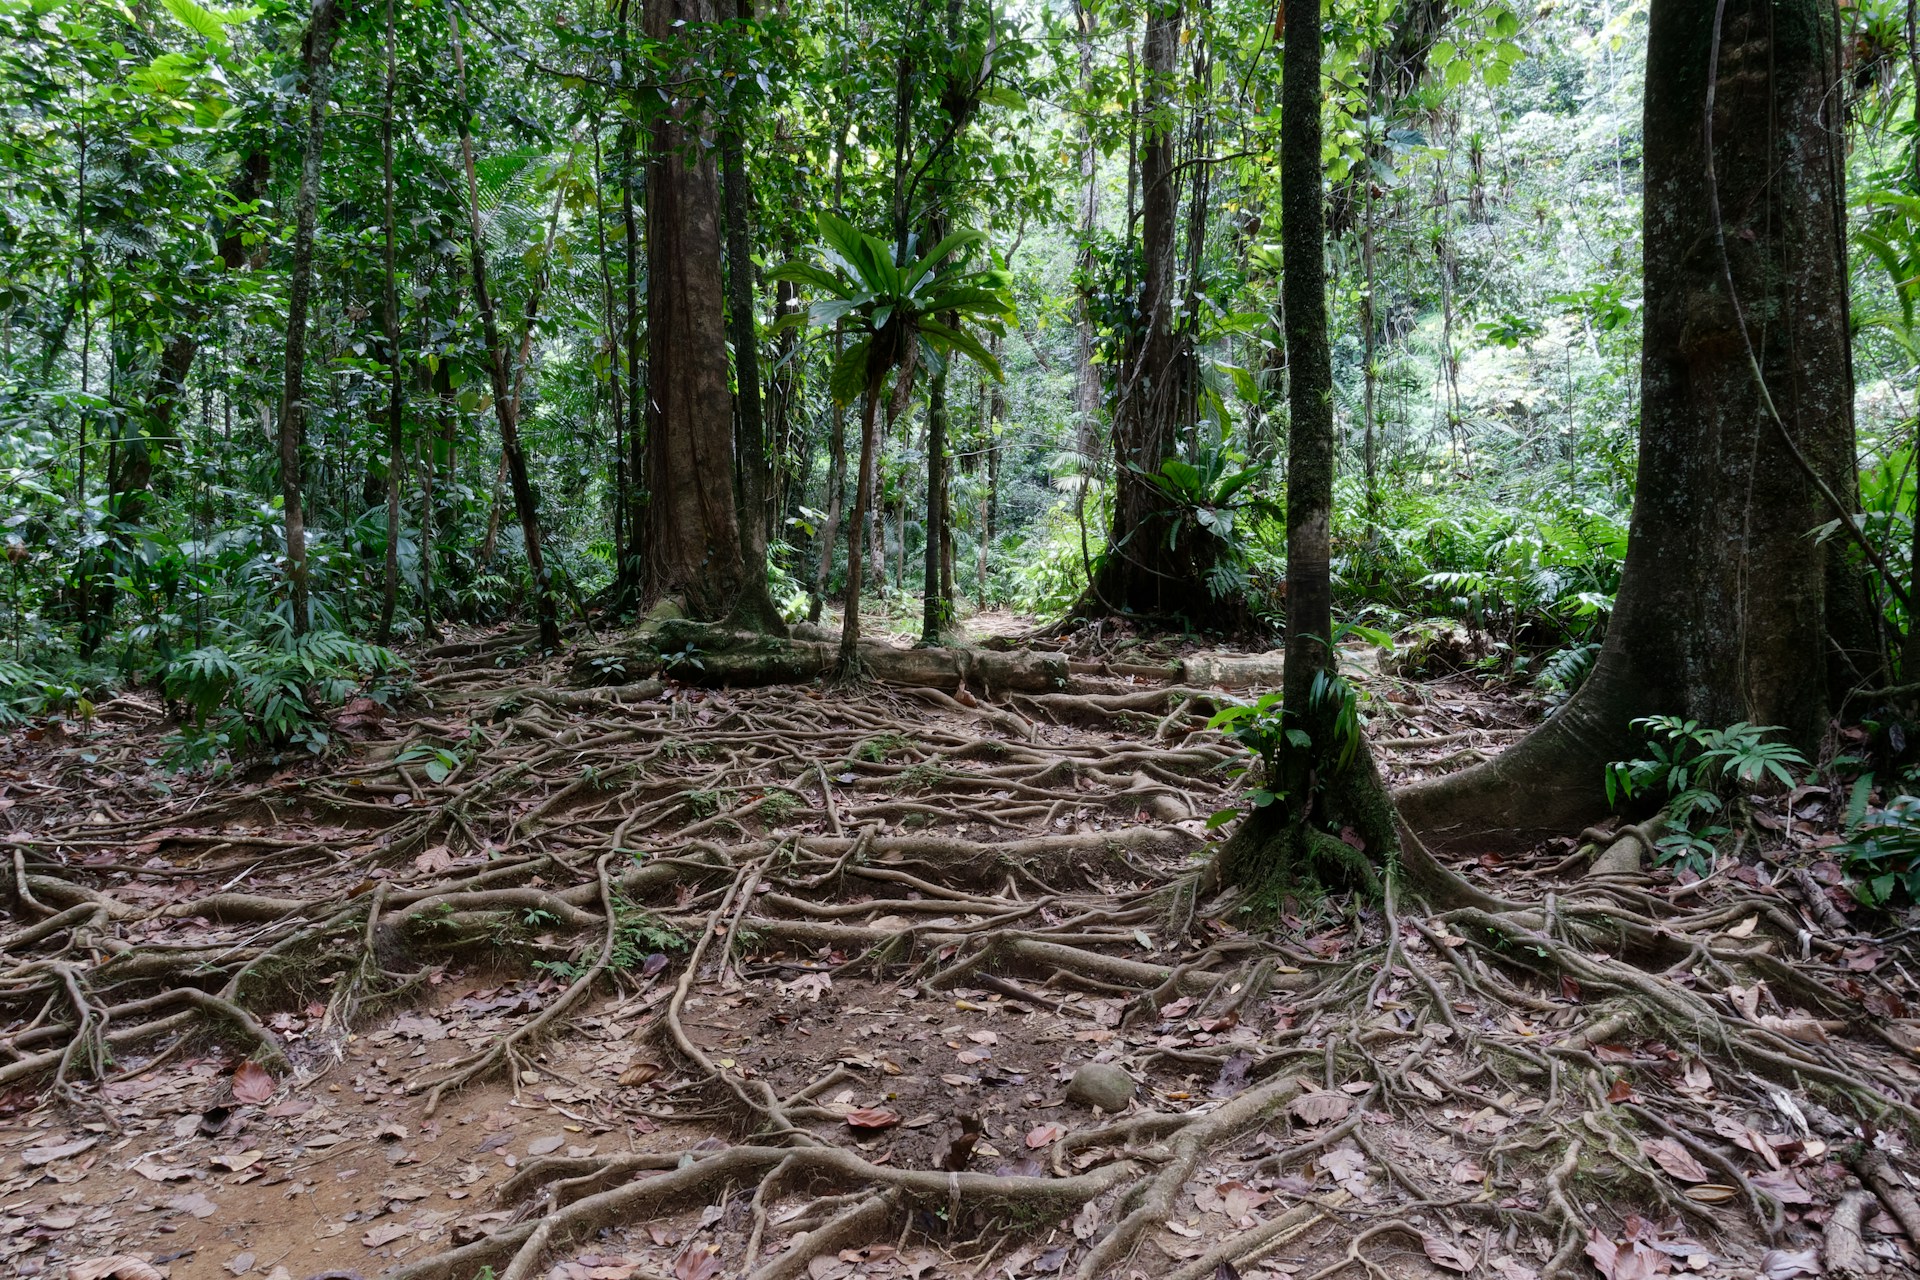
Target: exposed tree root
[923, 841]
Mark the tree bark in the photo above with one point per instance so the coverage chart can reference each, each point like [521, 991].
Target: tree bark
[505, 402]
[743, 333]
[694, 547]
[316, 66]
[390, 323]
[1725, 611]
[1145, 569]
[1287, 841]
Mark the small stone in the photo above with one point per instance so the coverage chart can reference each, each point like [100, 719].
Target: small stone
[1102, 1085]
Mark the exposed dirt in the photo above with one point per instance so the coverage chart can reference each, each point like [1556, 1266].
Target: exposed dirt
[859, 944]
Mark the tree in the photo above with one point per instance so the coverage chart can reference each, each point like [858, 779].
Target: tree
[890, 312]
[506, 400]
[1147, 567]
[1320, 795]
[1728, 609]
[693, 547]
[316, 67]
[390, 328]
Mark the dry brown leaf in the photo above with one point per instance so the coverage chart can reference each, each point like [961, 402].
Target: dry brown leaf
[385, 1233]
[1445, 1253]
[253, 1083]
[1321, 1107]
[1041, 1135]
[1805, 1030]
[872, 1118]
[435, 859]
[697, 1263]
[1674, 1158]
[641, 1072]
[1712, 1193]
[122, 1266]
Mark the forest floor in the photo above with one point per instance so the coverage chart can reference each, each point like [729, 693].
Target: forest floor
[797, 981]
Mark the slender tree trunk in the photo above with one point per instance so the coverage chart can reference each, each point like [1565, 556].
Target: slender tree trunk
[546, 611]
[694, 547]
[1725, 610]
[316, 64]
[390, 322]
[1289, 840]
[836, 499]
[848, 666]
[936, 601]
[636, 384]
[742, 331]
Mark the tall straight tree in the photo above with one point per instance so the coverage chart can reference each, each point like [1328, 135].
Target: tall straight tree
[390, 329]
[316, 67]
[742, 331]
[506, 400]
[1329, 785]
[1728, 610]
[1145, 569]
[693, 546]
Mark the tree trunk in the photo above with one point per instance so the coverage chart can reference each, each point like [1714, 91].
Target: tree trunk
[1287, 842]
[316, 66]
[742, 331]
[694, 547]
[936, 611]
[836, 501]
[632, 572]
[1725, 610]
[390, 323]
[848, 666]
[505, 407]
[1145, 569]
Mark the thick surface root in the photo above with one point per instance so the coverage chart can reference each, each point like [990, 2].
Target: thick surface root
[819, 984]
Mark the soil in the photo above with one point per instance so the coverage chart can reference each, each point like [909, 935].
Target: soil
[883, 925]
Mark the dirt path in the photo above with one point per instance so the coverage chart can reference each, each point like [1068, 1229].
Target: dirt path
[789, 981]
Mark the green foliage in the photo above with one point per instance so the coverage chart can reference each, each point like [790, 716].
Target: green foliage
[885, 304]
[269, 693]
[1699, 770]
[1288, 751]
[1881, 855]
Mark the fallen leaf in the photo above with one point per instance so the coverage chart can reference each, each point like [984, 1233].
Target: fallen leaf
[237, 1160]
[253, 1083]
[1782, 1264]
[1783, 1185]
[641, 1071]
[122, 1266]
[194, 1203]
[240, 1263]
[1805, 1030]
[435, 859]
[547, 1145]
[1468, 1171]
[1040, 1135]
[152, 1169]
[1744, 928]
[698, 1263]
[868, 1253]
[872, 1118]
[1445, 1253]
[1621, 1091]
[1674, 1158]
[34, 1157]
[1321, 1107]
[1712, 1193]
[385, 1233]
